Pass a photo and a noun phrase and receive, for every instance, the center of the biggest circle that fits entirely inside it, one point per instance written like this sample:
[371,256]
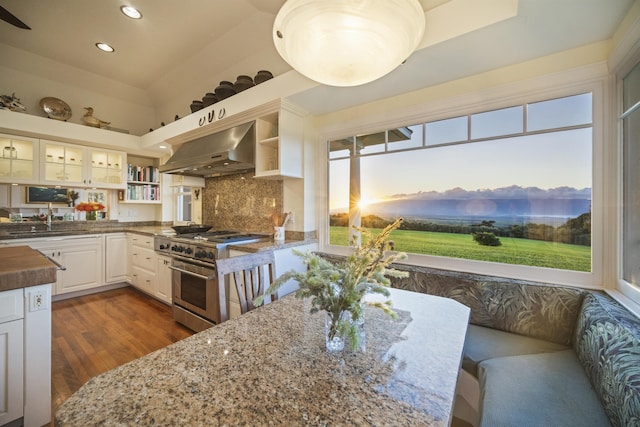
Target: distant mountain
[507,203]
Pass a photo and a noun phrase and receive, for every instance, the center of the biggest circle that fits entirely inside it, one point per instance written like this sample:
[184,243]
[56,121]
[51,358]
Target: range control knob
[210,255]
[200,254]
[188,251]
[174,248]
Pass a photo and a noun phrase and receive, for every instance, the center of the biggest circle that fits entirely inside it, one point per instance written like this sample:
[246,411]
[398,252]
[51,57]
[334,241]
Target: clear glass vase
[91,215]
[334,341]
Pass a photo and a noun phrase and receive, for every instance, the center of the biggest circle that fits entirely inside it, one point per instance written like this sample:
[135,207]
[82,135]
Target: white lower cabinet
[149,271]
[142,262]
[142,279]
[83,262]
[163,290]
[115,267]
[11,355]
[82,259]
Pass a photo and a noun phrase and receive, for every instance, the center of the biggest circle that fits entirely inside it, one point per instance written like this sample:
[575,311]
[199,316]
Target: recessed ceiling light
[104,47]
[163,146]
[131,12]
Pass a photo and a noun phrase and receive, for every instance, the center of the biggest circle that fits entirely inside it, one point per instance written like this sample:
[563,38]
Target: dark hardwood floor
[95,333]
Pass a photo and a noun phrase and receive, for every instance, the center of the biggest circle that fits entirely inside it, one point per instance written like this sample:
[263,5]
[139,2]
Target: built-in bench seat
[542,355]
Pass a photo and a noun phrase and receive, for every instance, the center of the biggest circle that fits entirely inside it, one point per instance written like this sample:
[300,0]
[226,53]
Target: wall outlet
[37,301]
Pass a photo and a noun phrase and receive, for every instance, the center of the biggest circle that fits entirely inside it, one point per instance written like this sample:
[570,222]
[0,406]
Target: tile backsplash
[241,202]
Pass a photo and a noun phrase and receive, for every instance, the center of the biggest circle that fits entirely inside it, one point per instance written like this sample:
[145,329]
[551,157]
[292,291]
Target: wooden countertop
[270,366]
[21,267]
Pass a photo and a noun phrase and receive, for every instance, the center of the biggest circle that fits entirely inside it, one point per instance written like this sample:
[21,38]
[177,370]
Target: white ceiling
[212,40]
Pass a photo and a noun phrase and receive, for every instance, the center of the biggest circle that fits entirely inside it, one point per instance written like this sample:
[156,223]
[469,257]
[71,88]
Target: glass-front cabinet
[68,164]
[63,164]
[19,160]
[107,168]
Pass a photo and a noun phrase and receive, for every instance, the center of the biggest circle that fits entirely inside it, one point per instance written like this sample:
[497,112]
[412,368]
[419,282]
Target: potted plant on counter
[339,288]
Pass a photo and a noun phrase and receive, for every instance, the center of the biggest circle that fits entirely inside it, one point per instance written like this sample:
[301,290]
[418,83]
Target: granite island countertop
[269,367]
[21,267]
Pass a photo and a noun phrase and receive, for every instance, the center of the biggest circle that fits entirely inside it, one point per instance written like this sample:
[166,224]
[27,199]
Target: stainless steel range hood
[222,153]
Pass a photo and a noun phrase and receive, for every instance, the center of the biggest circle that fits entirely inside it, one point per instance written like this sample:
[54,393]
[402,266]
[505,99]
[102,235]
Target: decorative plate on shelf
[56,108]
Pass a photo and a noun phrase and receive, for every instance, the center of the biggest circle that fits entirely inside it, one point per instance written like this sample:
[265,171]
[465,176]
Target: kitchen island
[269,366]
[25,336]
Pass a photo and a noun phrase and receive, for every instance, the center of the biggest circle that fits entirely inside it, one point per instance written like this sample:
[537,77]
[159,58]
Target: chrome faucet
[49,215]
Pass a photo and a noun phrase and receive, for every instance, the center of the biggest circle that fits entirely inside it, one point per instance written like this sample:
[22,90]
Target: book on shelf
[144,192]
[143,173]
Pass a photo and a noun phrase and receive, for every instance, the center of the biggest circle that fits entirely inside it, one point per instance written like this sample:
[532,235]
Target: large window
[631,177]
[183,204]
[512,185]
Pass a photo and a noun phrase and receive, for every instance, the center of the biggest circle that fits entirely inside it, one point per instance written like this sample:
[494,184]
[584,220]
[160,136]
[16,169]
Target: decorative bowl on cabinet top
[55,108]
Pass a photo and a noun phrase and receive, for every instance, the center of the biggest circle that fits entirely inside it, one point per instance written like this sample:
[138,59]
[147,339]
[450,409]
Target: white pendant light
[347,42]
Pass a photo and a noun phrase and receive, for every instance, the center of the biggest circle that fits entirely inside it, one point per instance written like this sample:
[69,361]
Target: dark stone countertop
[102,227]
[21,267]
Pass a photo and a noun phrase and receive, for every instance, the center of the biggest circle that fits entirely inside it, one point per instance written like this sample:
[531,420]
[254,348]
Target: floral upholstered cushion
[540,311]
[607,342]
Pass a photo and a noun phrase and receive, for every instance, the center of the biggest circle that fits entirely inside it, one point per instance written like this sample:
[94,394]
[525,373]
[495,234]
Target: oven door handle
[191,273]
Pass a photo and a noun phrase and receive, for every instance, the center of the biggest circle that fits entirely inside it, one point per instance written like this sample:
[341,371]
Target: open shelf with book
[143,181]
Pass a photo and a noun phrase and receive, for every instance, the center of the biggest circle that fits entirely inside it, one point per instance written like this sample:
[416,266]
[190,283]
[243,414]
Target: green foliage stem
[340,287]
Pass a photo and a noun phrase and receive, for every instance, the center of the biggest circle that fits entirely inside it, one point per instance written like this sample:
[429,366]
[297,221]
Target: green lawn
[513,251]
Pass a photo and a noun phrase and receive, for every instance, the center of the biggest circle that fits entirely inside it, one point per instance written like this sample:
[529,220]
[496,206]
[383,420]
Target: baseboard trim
[74,294]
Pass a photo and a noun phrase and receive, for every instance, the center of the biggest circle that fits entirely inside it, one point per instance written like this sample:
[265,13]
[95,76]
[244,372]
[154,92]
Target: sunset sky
[544,161]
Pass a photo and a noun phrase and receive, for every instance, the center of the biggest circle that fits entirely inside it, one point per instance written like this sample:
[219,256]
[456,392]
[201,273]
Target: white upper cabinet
[108,168]
[19,159]
[62,164]
[279,145]
[69,164]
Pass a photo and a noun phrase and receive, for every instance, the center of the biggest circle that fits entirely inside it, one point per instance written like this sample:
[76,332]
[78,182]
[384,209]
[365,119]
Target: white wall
[32,77]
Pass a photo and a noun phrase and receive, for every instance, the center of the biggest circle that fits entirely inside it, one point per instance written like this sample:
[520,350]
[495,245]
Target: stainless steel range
[198,298]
